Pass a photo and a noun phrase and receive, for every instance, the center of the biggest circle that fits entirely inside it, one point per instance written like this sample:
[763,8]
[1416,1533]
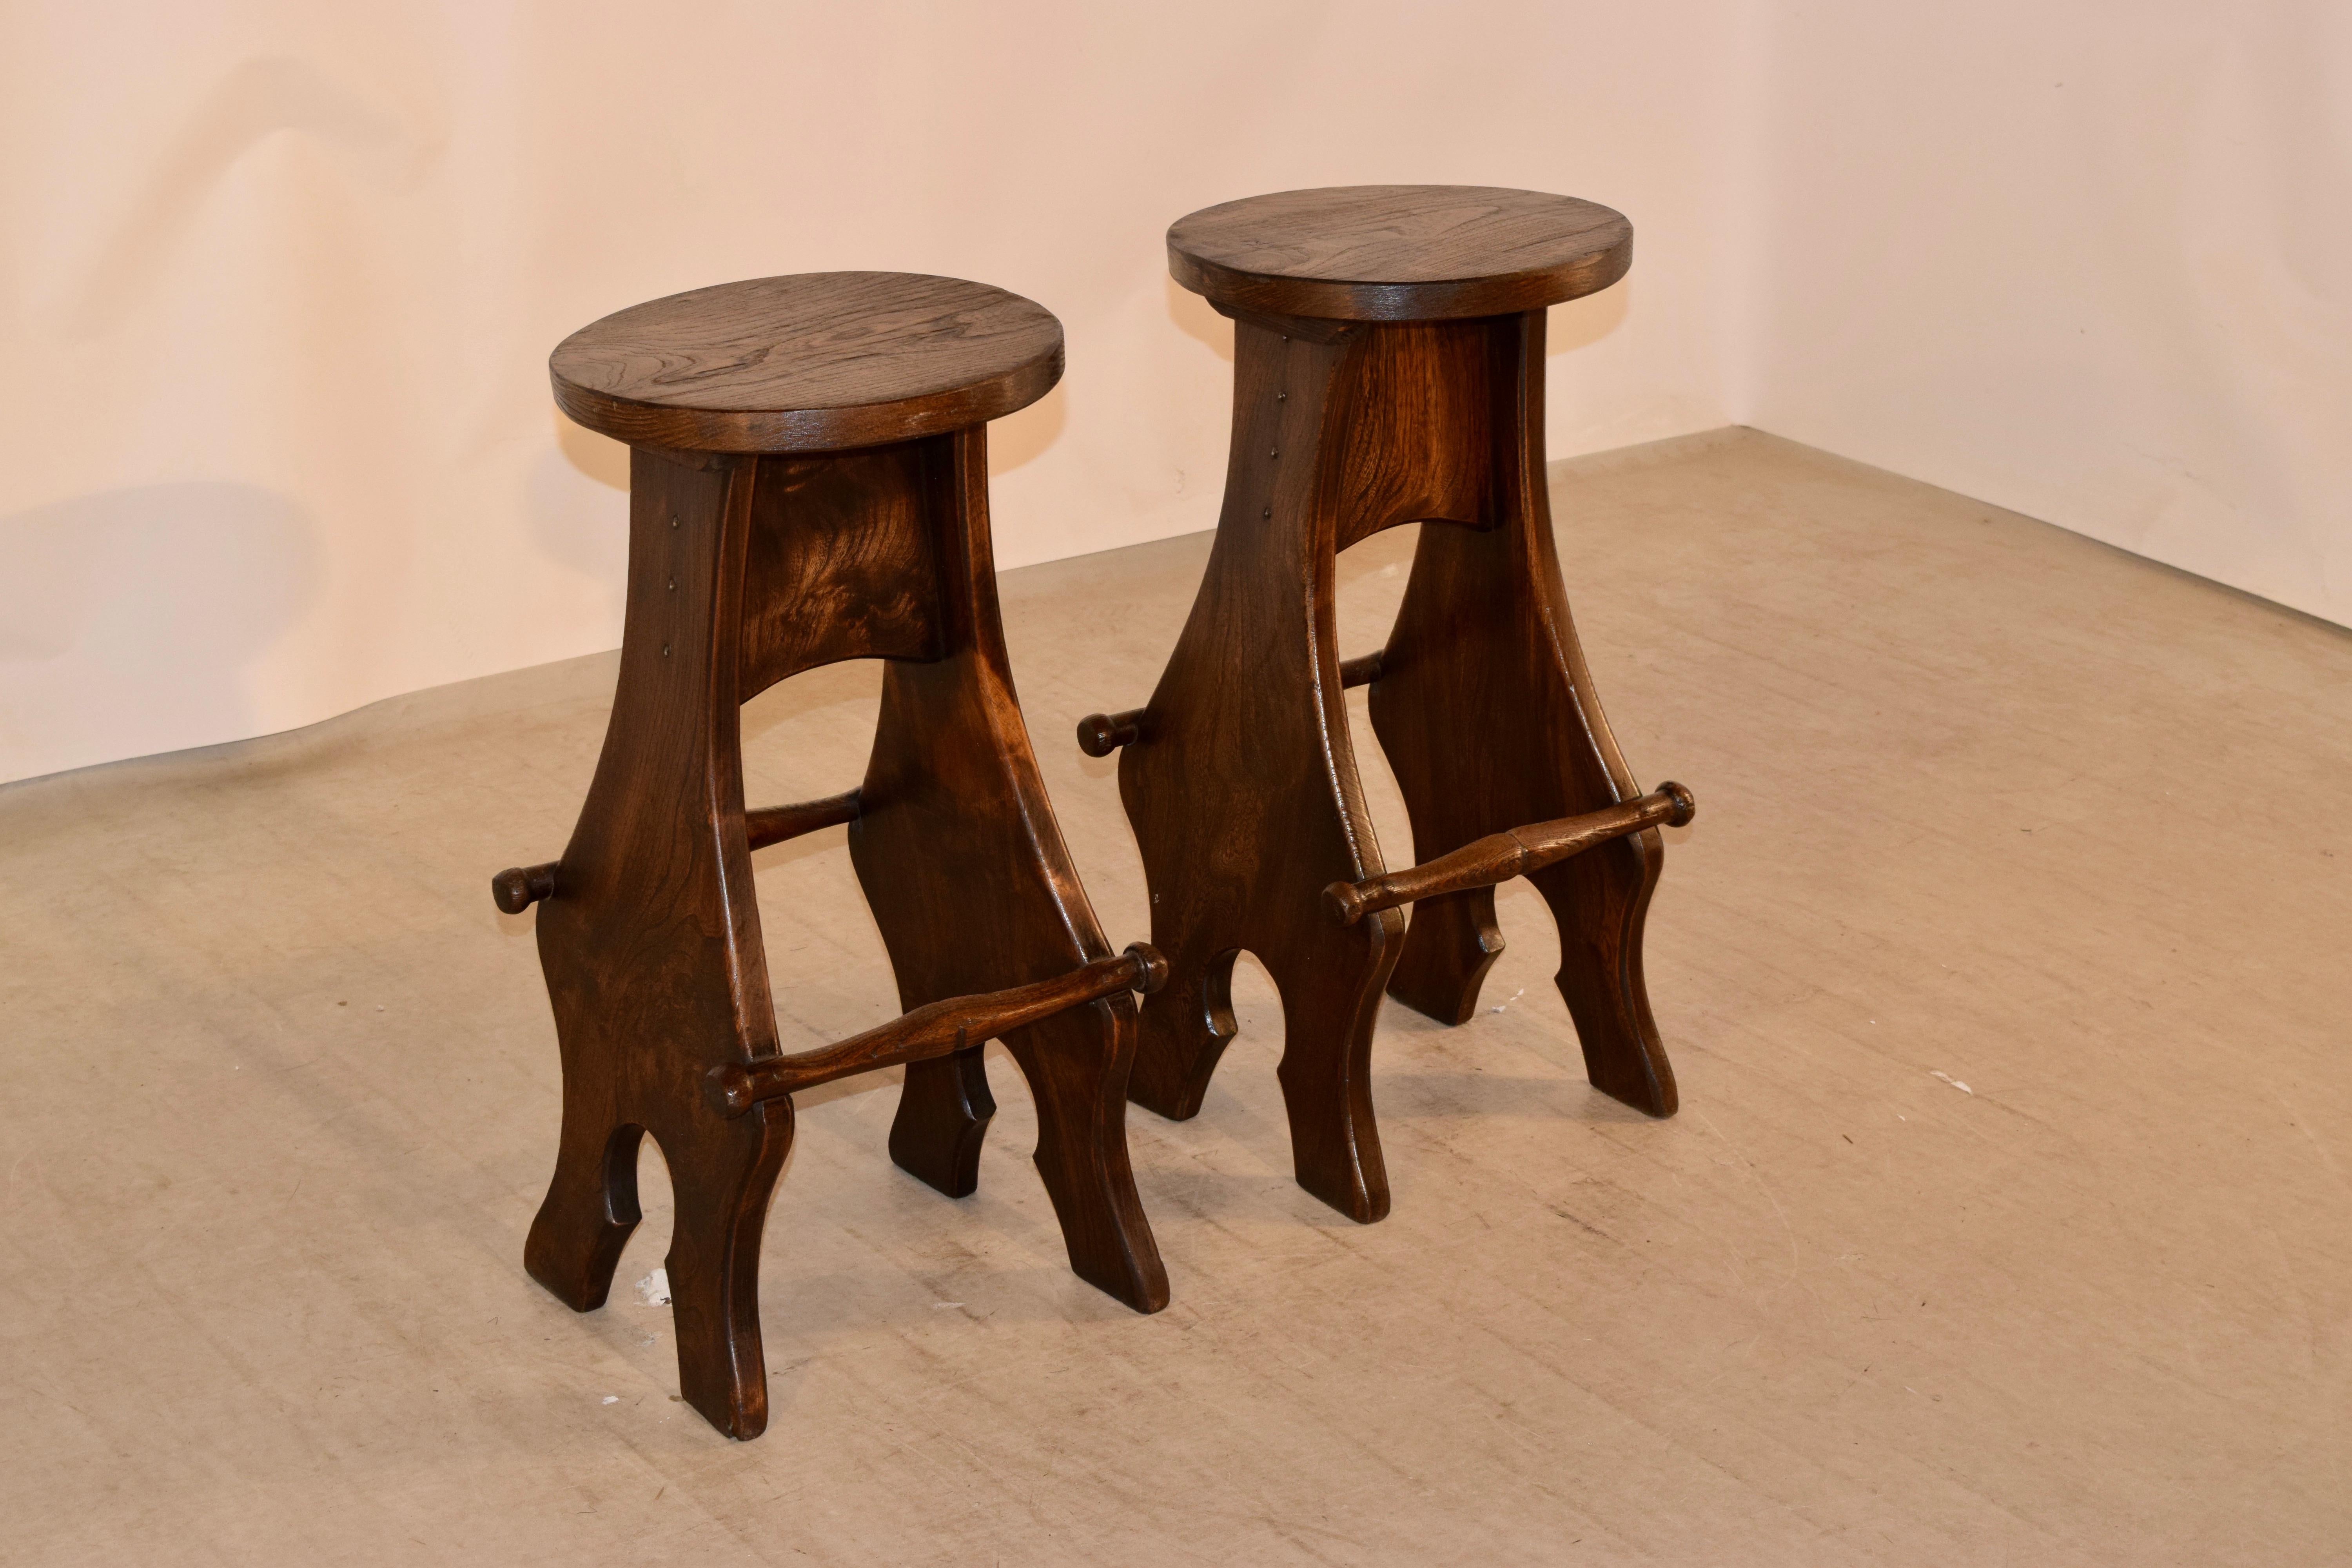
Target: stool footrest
[1500,857]
[935,1030]
[774,823]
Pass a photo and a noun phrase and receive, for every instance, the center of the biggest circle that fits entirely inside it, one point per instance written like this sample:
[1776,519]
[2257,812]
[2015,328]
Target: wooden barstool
[809,482]
[1388,368]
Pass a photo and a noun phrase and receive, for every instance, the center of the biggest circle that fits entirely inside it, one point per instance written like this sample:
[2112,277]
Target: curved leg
[650,943]
[963,865]
[590,1210]
[1242,784]
[944,1113]
[1181,1031]
[1599,900]
[1075,1063]
[1449,946]
[723,1178]
[1330,990]
[1488,717]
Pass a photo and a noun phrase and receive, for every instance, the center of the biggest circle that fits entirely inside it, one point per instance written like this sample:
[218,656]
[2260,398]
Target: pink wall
[2093,262]
[284,279]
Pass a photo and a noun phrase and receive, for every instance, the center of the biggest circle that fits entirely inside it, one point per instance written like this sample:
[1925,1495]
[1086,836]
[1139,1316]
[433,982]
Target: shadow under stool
[808,482]
[1388,368]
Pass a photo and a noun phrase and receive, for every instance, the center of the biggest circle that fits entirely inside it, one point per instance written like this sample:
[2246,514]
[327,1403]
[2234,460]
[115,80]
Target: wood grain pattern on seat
[815,362]
[1398,253]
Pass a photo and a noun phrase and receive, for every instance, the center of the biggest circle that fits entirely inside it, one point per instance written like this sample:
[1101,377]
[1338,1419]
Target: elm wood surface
[1239,777]
[1398,253]
[744,570]
[809,363]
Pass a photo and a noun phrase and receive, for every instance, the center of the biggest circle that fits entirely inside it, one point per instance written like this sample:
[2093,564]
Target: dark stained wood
[653,957]
[969,879]
[843,561]
[1244,807]
[1490,719]
[1239,777]
[814,362]
[1101,735]
[1398,253]
[961,1023]
[518,888]
[744,569]
[775,823]
[1500,857]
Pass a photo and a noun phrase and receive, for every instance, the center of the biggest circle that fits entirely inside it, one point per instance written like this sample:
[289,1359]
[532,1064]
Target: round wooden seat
[1398,253]
[815,362]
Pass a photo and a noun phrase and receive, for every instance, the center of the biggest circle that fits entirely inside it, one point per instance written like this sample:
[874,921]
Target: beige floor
[2007,1221]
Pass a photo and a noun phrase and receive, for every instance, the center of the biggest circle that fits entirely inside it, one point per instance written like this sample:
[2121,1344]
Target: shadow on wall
[1019,438]
[1199,319]
[252,103]
[1587,320]
[576,495]
[1572,326]
[129,620]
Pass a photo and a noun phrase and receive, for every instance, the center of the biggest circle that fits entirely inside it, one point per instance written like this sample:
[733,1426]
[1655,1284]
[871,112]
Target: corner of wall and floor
[310,273]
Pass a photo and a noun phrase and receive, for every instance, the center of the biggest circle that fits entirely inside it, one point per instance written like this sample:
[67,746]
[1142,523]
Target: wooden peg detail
[938,1030]
[518,888]
[1101,735]
[1500,857]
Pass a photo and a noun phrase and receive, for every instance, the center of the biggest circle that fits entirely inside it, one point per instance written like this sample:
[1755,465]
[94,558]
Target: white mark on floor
[654,1289]
[1515,996]
[1795,1267]
[611,1399]
[1955,1083]
[938,1306]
